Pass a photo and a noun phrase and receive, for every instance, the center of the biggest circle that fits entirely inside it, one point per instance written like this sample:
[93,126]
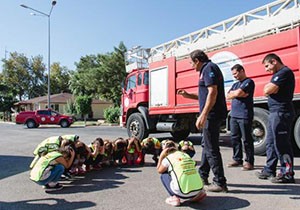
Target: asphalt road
[126,188]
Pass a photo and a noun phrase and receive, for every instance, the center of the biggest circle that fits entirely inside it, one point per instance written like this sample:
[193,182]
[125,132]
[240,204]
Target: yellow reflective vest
[187,176]
[70,137]
[48,145]
[44,162]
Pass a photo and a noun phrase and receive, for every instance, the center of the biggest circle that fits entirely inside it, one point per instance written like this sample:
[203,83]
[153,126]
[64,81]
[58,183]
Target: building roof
[60,98]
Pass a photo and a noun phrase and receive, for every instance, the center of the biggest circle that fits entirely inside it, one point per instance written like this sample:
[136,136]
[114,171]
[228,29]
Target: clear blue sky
[85,27]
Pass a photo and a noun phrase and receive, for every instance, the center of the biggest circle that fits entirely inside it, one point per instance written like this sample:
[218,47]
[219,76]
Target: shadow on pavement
[106,178]
[11,165]
[272,189]
[219,203]
[46,203]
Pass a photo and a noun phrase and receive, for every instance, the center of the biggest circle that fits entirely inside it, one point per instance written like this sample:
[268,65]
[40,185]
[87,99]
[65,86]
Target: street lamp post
[48,16]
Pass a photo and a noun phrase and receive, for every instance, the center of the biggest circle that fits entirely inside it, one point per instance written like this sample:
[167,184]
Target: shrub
[70,108]
[112,114]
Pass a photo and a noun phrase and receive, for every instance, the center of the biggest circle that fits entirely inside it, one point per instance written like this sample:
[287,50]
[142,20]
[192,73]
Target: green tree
[112,74]
[7,99]
[26,77]
[59,79]
[84,80]
[70,108]
[38,79]
[83,105]
[100,75]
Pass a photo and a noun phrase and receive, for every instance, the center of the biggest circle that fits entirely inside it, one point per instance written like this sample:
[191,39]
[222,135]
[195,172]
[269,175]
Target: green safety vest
[41,165]
[187,176]
[181,143]
[92,147]
[155,141]
[131,150]
[48,145]
[70,137]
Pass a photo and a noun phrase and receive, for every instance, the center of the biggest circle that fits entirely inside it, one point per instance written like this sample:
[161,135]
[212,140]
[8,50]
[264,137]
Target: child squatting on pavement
[179,176]
[48,169]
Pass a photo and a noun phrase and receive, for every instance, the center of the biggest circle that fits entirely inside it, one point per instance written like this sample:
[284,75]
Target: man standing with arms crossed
[280,92]
[213,111]
[241,94]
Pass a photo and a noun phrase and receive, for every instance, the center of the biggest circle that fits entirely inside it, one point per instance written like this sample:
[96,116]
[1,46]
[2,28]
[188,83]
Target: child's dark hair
[119,139]
[108,146]
[120,143]
[170,144]
[66,151]
[100,140]
[149,145]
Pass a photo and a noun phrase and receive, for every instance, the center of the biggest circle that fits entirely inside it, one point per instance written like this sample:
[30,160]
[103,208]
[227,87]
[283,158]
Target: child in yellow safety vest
[50,144]
[49,168]
[133,153]
[179,176]
[108,153]
[96,151]
[119,150]
[151,146]
[81,154]
[187,147]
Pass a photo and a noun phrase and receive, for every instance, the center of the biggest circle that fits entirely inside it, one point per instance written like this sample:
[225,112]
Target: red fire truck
[149,100]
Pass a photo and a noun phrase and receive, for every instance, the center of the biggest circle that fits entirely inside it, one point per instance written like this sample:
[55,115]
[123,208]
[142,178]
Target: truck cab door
[54,117]
[130,91]
[43,116]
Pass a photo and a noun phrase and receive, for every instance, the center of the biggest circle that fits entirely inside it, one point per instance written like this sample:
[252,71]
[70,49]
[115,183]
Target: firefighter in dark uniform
[213,111]
[241,94]
[280,94]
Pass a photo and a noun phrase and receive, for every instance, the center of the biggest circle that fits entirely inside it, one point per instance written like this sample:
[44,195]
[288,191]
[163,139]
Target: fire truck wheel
[259,130]
[136,126]
[30,124]
[180,135]
[297,132]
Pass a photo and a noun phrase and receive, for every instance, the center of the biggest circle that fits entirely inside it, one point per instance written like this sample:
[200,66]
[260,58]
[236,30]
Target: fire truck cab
[149,101]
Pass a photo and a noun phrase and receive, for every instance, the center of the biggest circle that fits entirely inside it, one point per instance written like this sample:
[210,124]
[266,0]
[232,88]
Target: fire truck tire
[136,126]
[31,124]
[297,132]
[180,135]
[259,130]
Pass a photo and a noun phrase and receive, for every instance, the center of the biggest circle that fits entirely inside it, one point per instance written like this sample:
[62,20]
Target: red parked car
[34,119]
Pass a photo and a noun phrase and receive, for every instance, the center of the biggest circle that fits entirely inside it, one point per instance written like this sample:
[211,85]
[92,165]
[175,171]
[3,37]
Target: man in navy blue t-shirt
[241,94]
[280,92]
[213,111]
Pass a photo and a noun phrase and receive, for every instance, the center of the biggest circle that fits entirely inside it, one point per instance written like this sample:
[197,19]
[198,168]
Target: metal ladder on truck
[269,19]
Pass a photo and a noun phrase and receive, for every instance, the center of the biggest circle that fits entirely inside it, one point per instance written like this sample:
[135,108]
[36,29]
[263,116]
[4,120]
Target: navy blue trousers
[211,156]
[166,180]
[279,145]
[241,134]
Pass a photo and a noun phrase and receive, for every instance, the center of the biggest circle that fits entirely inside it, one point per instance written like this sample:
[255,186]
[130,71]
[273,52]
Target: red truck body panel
[249,54]
[245,39]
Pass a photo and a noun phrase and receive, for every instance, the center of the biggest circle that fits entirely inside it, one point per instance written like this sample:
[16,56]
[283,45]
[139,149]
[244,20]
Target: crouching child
[49,168]
[179,176]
